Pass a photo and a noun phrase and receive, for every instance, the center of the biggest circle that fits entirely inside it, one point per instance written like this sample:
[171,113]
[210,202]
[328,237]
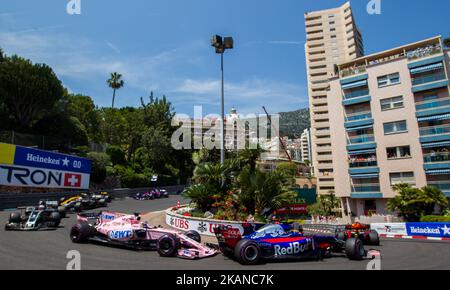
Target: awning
[354,85]
[426,68]
[359,128]
[438,172]
[436,144]
[361,176]
[435,118]
[361,152]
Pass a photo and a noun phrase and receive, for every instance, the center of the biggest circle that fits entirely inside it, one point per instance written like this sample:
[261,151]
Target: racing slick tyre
[168,245]
[247,252]
[80,233]
[354,249]
[373,238]
[15,218]
[62,211]
[194,235]
[55,220]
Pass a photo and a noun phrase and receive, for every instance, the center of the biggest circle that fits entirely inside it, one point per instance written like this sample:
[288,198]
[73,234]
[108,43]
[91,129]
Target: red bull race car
[359,231]
[285,242]
[128,231]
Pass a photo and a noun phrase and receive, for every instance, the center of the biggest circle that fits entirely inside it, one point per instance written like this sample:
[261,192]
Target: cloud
[249,96]
[113,47]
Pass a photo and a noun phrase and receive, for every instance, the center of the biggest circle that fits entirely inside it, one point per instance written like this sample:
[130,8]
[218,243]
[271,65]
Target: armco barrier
[322,228]
[13,200]
[201,225]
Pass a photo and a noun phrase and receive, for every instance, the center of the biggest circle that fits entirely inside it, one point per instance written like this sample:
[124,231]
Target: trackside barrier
[420,231]
[322,228]
[13,200]
[202,225]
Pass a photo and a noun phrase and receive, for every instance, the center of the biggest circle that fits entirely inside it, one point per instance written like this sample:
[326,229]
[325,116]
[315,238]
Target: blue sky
[163,46]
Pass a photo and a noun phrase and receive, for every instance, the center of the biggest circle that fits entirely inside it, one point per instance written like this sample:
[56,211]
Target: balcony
[361,139]
[363,164]
[366,188]
[423,52]
[437,157]
[442,185]
[359,116]
[429,82]
[424,106]
[430,78]
[356,94]
[435,130]
[353,71]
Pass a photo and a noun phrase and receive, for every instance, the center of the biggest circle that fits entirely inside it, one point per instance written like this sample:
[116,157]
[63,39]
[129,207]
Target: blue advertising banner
[436,230]
[49,160]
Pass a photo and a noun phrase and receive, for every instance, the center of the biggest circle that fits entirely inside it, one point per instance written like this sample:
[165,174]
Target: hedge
[435,219]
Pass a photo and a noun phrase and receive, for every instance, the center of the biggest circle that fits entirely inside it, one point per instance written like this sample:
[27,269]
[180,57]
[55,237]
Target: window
[395,127]
[332,22]
[332,29]
[403,177]
[388,80]
[398,152]
[333,36]
[331,16]
[392,103]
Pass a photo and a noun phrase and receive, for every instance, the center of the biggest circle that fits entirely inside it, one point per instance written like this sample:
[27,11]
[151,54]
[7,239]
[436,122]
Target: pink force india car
[128,231]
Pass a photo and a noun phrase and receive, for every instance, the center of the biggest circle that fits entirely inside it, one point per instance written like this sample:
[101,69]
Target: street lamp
[221,44]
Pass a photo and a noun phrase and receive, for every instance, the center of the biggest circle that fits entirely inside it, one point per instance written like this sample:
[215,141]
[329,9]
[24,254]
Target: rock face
[292,124]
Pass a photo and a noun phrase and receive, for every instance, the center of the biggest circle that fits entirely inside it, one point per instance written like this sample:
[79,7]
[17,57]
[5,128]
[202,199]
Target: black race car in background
[83,201]
[33,219]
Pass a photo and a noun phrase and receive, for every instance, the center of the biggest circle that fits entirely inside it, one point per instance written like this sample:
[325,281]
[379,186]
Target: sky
[164,46]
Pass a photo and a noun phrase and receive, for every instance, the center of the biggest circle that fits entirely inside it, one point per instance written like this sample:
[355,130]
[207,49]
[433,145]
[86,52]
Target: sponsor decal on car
[121,234]
[291,249]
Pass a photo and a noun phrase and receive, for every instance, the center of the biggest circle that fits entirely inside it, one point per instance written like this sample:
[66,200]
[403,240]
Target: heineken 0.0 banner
[27,167]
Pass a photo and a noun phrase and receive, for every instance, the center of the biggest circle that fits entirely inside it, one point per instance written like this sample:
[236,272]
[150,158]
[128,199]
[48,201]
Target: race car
[127,231]
[144,196]
[164,193]
[33,219]
[360,231]
[83,202]
[105,195]
[285,242]
[55,206]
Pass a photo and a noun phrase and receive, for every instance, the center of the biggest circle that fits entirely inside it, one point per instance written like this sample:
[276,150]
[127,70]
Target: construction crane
[281,140]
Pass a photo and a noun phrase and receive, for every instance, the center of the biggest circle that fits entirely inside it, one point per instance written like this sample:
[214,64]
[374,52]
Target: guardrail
[13,200]
[322,228]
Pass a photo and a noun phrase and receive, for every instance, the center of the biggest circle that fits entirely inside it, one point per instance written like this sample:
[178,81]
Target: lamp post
[221,44]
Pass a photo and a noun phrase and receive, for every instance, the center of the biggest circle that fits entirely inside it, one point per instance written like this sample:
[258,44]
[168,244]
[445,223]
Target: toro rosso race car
[33,219]
[129,232]
[359,231]
[284,242]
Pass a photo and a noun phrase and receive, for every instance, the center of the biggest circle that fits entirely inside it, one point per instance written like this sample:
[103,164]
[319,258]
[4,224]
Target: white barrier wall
[390,228]
[203,226]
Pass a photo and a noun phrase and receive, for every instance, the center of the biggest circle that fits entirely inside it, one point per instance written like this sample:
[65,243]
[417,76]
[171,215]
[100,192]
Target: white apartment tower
[332,37]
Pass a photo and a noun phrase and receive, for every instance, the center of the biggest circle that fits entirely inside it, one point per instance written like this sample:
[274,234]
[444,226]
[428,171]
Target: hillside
[293,123]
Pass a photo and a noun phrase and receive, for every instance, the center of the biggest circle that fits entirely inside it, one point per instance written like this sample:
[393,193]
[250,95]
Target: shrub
[117,155]
[435,219]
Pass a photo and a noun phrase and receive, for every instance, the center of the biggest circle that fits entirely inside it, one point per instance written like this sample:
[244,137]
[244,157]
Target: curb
[413,237]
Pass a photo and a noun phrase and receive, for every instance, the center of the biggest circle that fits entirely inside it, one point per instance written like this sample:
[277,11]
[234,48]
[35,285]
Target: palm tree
[447,42]
[2,56]
[115,82]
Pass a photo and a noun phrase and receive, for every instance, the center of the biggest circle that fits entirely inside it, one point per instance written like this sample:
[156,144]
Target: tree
[116,155]
[2,55]
[447,42]
[200,194]
[115,82]
[264,192]
[156,149]
[326,205]
[413,203]
[28,91]
[84,109]
[250,156]
[99,163]
[66,128]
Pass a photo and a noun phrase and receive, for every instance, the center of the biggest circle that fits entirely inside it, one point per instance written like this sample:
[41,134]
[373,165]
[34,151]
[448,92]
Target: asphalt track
[48,250]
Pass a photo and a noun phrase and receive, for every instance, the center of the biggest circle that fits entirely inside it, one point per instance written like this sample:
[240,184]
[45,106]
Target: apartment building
[389,115]
[332,37]
[305,146]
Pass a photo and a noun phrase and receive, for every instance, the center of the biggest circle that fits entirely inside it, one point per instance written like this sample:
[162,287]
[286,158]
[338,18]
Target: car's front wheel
[167,246]
[247,252]
[194,236]
[80,233]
